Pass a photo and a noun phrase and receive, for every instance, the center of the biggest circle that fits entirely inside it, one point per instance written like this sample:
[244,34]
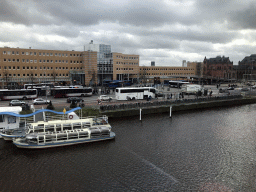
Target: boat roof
[16,110]
[39,111]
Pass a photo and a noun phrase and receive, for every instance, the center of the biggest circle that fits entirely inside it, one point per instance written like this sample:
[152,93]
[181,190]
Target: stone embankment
[154,106]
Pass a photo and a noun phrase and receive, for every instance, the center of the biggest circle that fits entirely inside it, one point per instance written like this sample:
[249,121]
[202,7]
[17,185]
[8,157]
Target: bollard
[170,111]
[140,114]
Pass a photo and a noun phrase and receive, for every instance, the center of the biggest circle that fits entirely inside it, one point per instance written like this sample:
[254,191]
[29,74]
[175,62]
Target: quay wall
[177,107]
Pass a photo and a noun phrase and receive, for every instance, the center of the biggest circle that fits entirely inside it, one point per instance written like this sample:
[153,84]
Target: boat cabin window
[76,126]
[86,124]
[66,127]
[1,118]
[58,127]
[11,120]
[49,128]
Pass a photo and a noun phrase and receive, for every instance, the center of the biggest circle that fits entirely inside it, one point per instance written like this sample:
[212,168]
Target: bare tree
[54,76]
[6,74]
[32,78]
[143,76]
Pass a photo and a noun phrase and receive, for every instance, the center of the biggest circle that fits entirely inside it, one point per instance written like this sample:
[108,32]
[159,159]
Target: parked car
[104,98]
[245,89]
[254,87]
[231,88]
[16,103]
[40,101]
[75,99]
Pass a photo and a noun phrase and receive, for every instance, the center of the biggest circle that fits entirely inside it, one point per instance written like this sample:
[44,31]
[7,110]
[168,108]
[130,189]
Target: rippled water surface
[210,150]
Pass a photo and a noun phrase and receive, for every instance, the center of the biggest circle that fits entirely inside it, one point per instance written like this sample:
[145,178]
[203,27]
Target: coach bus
[133,93]
[8,94]
[177,84]
[71,92]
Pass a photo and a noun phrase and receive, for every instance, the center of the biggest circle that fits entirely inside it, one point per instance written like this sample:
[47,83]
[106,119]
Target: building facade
[246,68]
[149,73]
[218,69]
[34,65]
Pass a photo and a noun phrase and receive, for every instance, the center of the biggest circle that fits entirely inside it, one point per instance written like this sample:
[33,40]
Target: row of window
[31,67]
[165,69]
[120,56]
[41,54]
[36,75]
[126,63]
[40,61]
[125,69]
[168,74]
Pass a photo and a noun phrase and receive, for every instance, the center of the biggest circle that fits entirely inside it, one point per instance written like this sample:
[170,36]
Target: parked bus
[177,84]
[116,83]
[133,93]
[7,94]
[38,85]
[71,92]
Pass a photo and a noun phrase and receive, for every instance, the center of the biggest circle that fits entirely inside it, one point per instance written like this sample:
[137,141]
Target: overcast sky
[164,31]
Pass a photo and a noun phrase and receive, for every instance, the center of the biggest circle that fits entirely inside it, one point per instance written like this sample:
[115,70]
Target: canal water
[204,150]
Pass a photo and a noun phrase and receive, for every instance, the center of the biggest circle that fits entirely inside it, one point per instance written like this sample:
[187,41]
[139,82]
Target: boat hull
[20,144]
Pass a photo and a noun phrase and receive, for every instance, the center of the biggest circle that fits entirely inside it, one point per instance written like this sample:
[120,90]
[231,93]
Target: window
[43,53]
[13,60]
[22,53]
[13,67]
[23,75]
[18,67]
[51,54]
[18,60]
[31,53]
[9,67]
[27,60]
[23,67]
[35,61]
[18,75]
[40,53]
[47,54]
[4,59]
[4,52]
[35,67]
[27,67]
[27,53]
[40,61]
[34,53]
[31,60]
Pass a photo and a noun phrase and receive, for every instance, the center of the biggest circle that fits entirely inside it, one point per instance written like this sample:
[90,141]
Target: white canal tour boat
[70,136]
[70,129]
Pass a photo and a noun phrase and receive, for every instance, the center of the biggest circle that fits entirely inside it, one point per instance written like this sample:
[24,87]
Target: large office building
[89,67]
[35,65]
[114,66]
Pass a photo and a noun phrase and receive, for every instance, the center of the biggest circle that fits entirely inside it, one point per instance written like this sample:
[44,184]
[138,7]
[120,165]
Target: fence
[137,105]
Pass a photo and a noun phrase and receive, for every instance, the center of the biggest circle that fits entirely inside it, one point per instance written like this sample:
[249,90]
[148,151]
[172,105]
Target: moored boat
[71,122]
[63,138]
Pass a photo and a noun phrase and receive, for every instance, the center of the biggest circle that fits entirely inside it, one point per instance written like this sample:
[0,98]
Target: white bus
[7,94]
[71,92]
[177,84]
[133,93]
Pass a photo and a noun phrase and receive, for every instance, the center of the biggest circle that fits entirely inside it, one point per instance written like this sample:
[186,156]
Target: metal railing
[154,103]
